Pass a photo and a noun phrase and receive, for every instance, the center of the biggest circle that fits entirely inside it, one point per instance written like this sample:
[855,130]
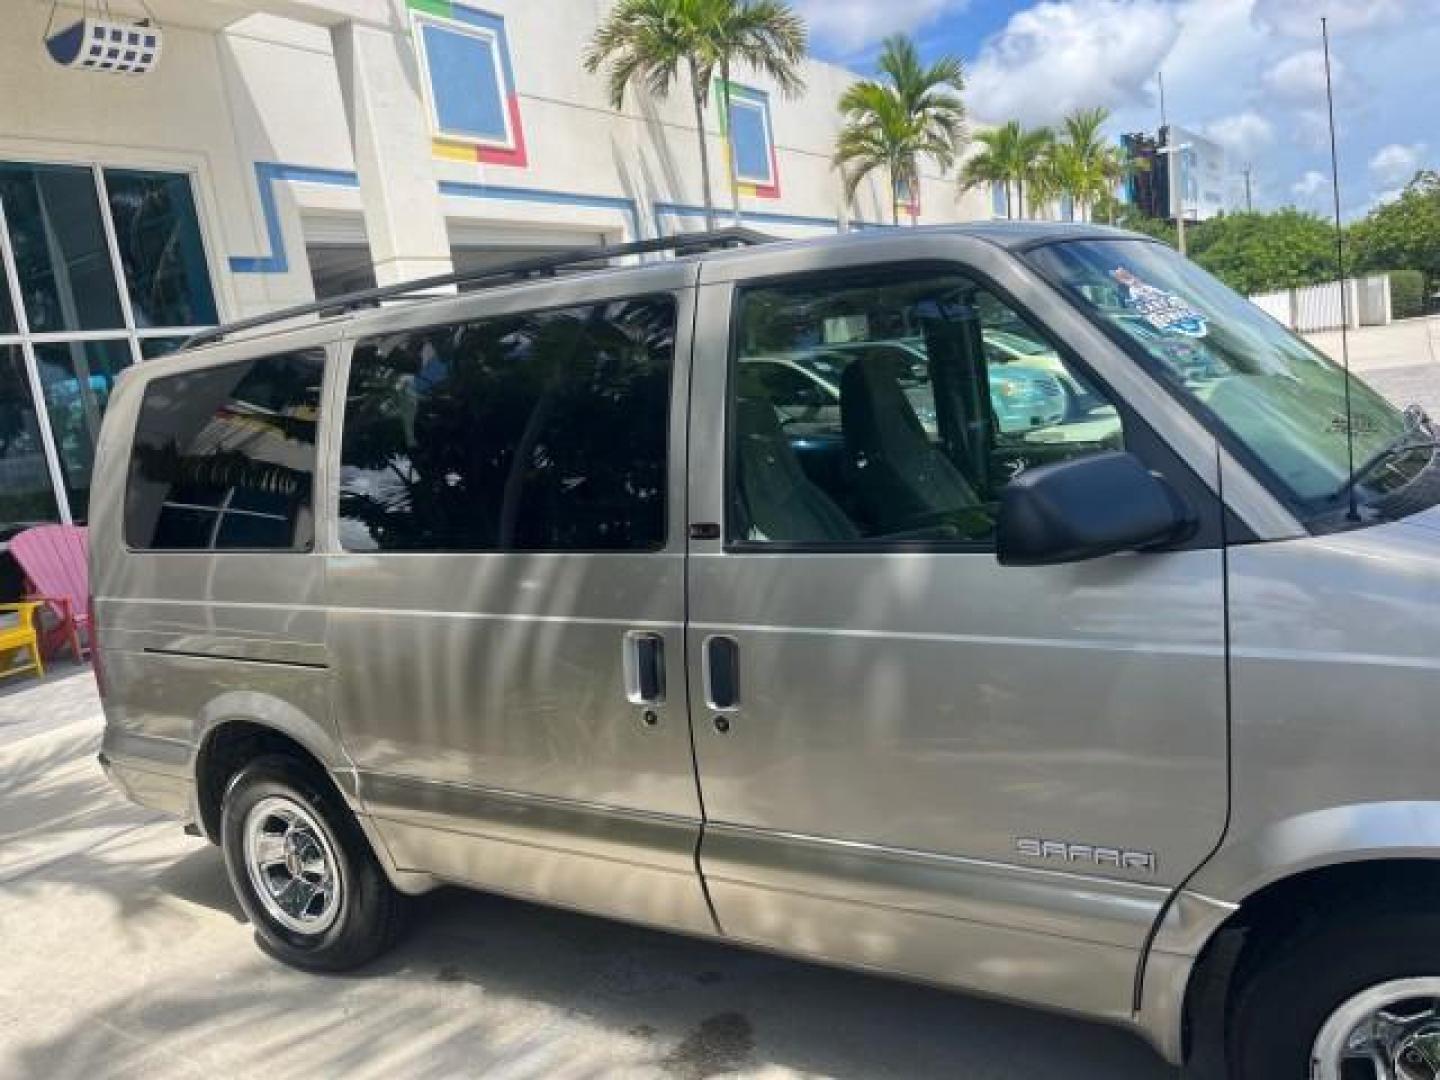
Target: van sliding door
[507,590]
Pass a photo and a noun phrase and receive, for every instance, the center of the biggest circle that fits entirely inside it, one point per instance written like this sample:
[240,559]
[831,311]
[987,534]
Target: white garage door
[340,255]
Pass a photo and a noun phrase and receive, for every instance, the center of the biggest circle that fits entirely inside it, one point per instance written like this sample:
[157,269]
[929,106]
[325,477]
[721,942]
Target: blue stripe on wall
[269,173]
[464,189]
[760,217]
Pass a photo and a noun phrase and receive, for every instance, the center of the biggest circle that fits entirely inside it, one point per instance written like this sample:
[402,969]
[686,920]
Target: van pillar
[390,135]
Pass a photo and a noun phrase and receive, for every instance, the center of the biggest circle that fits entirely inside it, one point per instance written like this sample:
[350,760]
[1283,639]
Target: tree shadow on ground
[481,985]
[488,985]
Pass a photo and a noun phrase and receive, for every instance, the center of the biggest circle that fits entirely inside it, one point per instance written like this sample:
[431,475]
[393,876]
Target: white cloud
[1061,55]
[1244,134]
[1300,77]
[1397,163]
[1383,197]
[851,25]
[1301,18]
[1247,73]
[1310,186]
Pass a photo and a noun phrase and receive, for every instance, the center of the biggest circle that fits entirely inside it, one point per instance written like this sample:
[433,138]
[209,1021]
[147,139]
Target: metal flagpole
[1354,510]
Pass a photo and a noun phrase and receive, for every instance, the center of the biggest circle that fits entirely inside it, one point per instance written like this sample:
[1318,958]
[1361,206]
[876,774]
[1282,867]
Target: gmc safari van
[1128,706]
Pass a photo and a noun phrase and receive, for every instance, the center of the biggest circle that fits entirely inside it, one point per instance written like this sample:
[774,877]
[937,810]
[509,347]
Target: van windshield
[1279,397]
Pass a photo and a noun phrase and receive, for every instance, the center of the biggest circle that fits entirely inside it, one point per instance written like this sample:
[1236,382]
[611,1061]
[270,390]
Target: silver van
[1125,708]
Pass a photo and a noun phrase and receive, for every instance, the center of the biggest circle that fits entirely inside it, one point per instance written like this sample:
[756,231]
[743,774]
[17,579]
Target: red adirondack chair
[55,560]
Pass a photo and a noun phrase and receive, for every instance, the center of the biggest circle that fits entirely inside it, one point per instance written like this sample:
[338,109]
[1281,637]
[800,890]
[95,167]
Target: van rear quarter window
[224,457]
[540,431]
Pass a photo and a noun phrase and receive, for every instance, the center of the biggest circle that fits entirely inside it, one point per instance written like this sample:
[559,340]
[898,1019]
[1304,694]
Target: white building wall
[178,118]
[258,104]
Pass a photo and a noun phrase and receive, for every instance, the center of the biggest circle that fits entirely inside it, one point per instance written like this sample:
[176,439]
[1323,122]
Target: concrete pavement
[123,954]
[1401,360]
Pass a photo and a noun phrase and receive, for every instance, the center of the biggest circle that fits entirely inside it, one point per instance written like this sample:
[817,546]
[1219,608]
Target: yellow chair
[24,637]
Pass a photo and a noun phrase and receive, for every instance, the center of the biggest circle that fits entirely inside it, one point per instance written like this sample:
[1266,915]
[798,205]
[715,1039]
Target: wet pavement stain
[719,1045]
[452,973]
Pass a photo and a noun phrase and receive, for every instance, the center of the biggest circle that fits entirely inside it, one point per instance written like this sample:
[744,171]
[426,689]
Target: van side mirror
[1085,508]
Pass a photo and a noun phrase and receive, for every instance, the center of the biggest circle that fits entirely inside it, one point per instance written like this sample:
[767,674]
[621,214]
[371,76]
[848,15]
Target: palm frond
[913,112]
[766,35]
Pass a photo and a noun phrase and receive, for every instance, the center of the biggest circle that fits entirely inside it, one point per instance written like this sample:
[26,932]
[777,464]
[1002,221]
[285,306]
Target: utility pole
[1249,206]
[1176,163]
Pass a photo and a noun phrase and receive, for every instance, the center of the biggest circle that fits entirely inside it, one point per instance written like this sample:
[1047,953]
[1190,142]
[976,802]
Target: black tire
[370,913]
[1287,992]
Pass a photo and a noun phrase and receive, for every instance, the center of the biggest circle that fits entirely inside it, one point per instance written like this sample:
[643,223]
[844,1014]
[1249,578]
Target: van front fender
[1339,834]
[1242,867]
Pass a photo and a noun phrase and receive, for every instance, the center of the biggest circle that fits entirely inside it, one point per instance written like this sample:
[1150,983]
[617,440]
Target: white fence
[1324,307]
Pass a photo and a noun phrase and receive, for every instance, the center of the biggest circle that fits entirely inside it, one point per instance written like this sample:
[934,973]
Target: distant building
[1203,173]
[1147,187]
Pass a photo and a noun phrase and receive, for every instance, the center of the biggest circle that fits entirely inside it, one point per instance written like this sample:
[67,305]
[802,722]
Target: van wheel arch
[227,748]
[1273,916]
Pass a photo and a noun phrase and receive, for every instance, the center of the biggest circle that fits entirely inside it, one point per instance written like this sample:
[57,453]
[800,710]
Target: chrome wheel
[291,864]
[1388,1032]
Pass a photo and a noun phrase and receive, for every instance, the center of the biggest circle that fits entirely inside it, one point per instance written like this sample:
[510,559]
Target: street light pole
[1175,152]
[1174,167]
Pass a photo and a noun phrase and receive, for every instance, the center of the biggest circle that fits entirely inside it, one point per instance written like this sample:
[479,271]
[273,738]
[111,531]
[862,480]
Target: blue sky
[1247,73]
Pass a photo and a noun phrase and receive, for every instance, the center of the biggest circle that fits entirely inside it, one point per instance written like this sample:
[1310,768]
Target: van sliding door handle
[722,672]
[644,668]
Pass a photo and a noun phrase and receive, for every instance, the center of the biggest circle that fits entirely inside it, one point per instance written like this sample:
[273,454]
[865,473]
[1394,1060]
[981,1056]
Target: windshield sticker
[1165,311]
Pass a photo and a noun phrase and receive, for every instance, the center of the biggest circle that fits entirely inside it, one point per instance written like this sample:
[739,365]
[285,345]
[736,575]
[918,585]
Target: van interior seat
[902,476]
[781,502]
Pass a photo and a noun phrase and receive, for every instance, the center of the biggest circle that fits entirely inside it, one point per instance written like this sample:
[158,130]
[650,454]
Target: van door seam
[697,293]
[1148,947]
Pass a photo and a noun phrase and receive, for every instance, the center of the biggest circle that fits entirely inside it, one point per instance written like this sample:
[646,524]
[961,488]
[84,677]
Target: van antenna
[1353,513]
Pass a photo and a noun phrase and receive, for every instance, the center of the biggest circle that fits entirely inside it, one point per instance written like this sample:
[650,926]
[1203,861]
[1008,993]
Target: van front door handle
[722,672]
[645,668]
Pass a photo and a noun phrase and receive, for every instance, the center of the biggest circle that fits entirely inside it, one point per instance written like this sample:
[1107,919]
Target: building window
[27,494]
[1000,200]
[751,142]
[99,268]
[66,280]
[157,234]
[77,377]
[469,83]
[907,200]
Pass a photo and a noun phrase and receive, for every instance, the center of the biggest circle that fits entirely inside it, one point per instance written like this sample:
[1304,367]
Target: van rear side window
[542,431]
[224,458]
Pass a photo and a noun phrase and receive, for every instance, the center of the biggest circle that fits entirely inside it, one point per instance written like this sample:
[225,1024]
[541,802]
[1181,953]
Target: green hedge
[1407,294]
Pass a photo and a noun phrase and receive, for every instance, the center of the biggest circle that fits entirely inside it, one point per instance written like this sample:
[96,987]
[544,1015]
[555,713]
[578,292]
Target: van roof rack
[489,278]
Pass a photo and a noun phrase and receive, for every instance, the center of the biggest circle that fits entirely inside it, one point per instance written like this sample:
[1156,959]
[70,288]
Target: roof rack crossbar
[491,277]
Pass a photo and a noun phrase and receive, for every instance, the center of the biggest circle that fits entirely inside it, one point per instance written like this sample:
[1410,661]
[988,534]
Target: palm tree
[1088,168]
[1068,175]
[1018,158]
[765,35]
[914,112]
[648,42]
[996,162]
[1032,167]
